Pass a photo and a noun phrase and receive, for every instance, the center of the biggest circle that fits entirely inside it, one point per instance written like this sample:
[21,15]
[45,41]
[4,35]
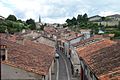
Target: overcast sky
[57,11]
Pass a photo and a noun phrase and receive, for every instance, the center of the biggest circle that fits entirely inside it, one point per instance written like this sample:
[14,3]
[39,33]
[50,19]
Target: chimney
[23,41]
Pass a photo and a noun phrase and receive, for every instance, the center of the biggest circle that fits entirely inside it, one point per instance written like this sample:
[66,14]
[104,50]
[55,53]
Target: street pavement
[62,68]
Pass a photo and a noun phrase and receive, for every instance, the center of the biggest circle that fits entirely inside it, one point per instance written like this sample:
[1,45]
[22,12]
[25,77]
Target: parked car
[56,55]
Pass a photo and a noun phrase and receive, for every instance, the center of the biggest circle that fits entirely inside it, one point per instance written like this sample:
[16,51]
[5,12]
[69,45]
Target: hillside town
[55,52]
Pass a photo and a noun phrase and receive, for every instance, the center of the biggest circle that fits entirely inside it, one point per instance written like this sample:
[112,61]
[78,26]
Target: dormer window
[3,51]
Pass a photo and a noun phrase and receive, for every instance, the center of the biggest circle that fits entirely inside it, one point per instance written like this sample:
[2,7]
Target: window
[3,57]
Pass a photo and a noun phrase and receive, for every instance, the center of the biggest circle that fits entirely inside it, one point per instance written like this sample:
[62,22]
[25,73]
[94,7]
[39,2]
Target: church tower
[39,19]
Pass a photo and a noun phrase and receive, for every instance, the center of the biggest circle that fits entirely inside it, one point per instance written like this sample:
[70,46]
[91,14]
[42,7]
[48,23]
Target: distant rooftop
[94,16]
[115,15]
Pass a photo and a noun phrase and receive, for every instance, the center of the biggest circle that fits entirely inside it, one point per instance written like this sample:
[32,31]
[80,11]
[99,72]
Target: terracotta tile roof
[74,37]
[106,60]
[91,39]
[11,37]
[40,46]
[88,49]
[114,75]
[70,36]
[103,56]
[30,56]
[50,30]
[2,35]
[108,35]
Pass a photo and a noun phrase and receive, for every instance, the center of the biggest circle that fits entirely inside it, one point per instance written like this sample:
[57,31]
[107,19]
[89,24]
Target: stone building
[113,20]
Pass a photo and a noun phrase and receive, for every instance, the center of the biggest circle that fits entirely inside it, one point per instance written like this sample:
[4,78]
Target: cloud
[57,10]
[56,20]
[106,13]
[5,11]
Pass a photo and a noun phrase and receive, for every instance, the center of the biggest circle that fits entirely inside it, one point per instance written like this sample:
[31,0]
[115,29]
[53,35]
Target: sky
[57,11]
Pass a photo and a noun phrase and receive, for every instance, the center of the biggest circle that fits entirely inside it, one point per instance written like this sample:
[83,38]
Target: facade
[65,41]
[38,25]
[74,55]
[108,23]
[30,60]
[114,17]
[113,20]
[45,40]
[86,32]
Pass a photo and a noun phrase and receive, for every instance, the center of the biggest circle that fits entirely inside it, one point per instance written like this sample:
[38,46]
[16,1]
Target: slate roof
[31,56]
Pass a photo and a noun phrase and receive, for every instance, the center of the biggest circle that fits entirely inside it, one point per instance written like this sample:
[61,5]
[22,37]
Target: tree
[14,26]
[119,25]
[31,22]
[69,22]
[2,28]
[19,20]
[85,18]
[117,33]
[64,25]
[42,27]
[103,18]
[79,18]
[11,17]
[74,21]
[81,23]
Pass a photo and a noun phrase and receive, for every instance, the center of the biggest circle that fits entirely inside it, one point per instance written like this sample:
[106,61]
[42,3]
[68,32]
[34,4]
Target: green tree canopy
[11,17]
[74,21]
[85,18]
[69,22]
[2,28]
[19,20]
[119,25]
[79,18]
[31,22]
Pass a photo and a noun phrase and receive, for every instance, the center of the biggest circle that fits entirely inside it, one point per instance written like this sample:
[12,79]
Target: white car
[56,55]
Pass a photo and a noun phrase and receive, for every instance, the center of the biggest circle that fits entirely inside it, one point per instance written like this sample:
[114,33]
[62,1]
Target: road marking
[66,67]
[57,76]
